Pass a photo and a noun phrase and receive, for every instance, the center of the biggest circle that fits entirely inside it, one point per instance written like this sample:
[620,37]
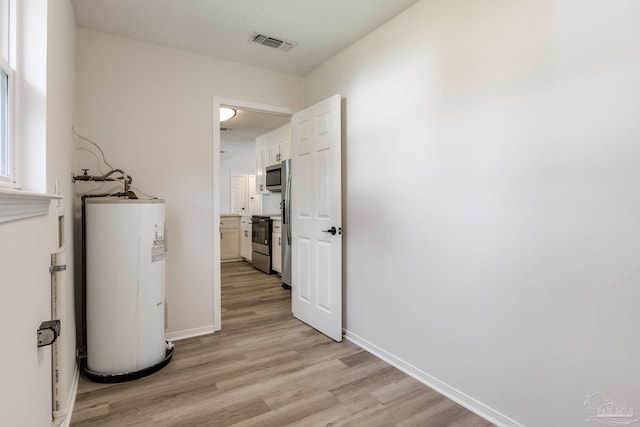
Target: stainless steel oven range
[261,243]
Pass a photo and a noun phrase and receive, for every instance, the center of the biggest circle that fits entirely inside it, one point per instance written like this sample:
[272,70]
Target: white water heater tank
[125,284]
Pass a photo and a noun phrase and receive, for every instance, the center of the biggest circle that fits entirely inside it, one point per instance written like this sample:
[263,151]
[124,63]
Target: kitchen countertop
[231,215]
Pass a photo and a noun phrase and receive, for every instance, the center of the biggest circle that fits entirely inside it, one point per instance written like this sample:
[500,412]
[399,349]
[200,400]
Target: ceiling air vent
[272,42]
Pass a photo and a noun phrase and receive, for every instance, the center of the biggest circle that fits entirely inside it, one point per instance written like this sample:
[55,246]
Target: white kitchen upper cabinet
[274,154]
[277,144]
[285,149]
[280,151]
[262,161]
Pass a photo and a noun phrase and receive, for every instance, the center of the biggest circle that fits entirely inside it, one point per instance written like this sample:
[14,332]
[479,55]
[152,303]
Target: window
[15,203]
[5,25]
[4,126]
[6,77]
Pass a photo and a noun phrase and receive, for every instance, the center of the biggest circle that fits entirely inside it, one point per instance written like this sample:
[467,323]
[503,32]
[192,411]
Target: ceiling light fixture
[227,113]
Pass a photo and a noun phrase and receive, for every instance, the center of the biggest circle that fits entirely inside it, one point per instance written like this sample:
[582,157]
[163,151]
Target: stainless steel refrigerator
[285,206]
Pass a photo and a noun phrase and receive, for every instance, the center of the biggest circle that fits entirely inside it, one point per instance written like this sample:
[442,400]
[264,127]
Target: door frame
[241,105]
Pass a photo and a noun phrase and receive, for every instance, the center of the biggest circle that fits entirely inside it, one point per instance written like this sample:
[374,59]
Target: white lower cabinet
[229,238]
[276,245]
[245,238]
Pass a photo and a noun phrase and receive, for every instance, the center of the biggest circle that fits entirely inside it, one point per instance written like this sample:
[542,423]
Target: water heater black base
[127,376]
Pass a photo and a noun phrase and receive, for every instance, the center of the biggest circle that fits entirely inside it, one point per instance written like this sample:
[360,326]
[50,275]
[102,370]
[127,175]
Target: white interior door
[255,201]
[316,203]
[239,194]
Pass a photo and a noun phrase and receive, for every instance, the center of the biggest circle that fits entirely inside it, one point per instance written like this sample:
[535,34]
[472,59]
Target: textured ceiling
[222,28]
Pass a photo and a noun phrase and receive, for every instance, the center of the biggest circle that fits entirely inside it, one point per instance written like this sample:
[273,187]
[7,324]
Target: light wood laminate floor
[267,369]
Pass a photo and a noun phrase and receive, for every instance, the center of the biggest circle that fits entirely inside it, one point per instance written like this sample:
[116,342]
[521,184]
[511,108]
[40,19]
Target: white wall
[150,108]
[491,202]
[25,389]
[61,99]
[46,107]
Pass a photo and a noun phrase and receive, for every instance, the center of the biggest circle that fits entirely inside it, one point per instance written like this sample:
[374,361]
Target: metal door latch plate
[48,332]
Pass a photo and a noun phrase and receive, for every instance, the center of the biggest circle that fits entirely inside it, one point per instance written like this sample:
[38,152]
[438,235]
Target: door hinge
[57,268]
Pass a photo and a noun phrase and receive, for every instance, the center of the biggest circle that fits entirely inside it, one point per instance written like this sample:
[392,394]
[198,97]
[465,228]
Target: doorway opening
[234,153]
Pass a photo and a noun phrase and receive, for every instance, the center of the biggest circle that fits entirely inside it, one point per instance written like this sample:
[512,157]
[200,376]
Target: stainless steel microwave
[273,178]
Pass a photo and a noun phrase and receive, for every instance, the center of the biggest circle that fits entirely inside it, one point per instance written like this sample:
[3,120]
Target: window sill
[17,204]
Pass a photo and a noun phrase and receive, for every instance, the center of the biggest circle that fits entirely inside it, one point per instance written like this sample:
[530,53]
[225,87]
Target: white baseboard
[457,396]
[65,419]
[189,333]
